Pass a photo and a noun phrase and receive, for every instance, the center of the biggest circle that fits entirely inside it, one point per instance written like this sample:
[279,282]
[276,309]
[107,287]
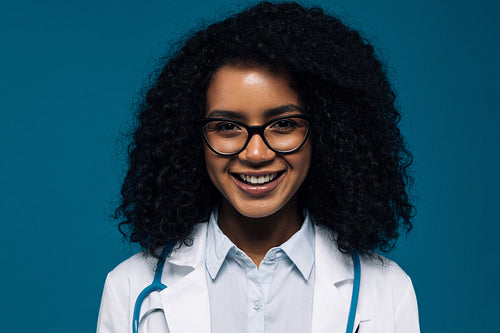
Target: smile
[258,185]
[258,180]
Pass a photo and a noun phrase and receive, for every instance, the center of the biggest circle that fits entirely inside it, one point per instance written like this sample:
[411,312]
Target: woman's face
[254,95]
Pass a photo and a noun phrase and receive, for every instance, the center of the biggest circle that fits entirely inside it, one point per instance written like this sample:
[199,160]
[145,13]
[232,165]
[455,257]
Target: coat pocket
[364,327]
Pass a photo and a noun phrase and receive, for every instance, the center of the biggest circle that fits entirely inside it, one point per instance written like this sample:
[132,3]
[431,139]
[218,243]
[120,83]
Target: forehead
[249,91]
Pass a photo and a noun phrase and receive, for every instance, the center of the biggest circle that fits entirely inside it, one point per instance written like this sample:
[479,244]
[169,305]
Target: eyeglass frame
[252,130]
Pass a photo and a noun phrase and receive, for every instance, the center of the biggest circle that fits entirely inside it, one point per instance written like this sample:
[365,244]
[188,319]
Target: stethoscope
[157,285]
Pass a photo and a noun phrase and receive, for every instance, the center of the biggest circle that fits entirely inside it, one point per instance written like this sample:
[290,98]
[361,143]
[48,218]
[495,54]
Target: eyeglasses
[282,135]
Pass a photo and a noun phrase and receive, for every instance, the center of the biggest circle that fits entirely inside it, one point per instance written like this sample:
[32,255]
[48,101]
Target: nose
[256,151]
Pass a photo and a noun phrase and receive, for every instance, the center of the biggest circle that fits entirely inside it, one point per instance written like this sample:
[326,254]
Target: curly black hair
[359,177]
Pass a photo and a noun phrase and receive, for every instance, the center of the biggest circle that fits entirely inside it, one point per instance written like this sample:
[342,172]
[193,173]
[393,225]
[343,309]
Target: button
[257,305]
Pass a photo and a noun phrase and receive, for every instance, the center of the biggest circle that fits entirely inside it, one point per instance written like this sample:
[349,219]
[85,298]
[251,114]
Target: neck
[255,236]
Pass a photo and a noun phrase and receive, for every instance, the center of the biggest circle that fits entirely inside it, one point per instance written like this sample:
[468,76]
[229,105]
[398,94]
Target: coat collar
[191,256]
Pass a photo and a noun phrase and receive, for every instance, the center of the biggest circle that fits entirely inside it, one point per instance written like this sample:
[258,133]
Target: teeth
[258,180]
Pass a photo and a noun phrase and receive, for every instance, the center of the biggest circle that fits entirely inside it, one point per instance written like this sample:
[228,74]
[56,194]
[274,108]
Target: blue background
[70,73]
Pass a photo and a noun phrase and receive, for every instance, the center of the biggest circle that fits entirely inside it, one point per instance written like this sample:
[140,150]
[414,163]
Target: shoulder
[135,273]
[382,280]
[384,276]
[123,285]
[375,268]
[140,266]
[380,269]
[126,281]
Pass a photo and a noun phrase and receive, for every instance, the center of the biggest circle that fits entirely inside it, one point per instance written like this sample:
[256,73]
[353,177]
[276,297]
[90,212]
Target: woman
[267,153]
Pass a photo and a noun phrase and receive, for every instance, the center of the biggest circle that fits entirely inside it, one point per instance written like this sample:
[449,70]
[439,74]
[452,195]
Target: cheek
[303,161]
[215,167]
[210,164]
[306,163]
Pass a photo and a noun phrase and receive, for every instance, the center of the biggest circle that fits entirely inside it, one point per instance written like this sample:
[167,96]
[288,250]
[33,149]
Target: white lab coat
[387,301]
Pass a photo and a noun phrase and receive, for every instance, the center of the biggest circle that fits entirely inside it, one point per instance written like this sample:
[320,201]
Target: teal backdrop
[70,72]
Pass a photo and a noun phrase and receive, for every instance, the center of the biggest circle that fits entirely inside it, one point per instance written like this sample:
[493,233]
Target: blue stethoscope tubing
[157,285]
[355,291]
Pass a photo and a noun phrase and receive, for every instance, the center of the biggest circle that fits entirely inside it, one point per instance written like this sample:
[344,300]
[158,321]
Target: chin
[255,211]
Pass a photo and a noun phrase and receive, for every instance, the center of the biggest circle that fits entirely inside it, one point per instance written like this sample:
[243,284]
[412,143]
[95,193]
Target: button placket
[256,306]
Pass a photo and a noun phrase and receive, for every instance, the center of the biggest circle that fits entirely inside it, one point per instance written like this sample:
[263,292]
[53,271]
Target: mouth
[258,185]
[258,180]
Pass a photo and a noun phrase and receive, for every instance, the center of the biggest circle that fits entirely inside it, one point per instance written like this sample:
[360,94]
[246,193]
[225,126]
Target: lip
[255,173]
[257,190]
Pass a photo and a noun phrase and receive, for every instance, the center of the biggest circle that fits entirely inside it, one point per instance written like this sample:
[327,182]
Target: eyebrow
[269,113]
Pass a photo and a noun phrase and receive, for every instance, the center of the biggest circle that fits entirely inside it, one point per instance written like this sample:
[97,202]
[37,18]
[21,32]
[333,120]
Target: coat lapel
[334,271]
[185,300]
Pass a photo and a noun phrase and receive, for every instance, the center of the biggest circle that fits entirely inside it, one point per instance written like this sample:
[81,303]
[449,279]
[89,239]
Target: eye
[223,129]
[284,123]
[284,126]
[226,126]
